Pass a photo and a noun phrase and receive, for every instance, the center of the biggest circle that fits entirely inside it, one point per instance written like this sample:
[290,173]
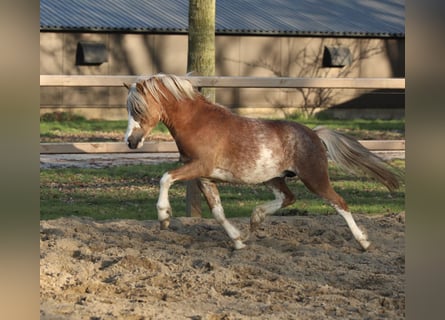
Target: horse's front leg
[163,205]
[211,194]
[187,172]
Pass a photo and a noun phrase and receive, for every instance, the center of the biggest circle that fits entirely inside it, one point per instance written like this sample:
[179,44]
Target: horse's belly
[263,167]
[250,178]
[224,175]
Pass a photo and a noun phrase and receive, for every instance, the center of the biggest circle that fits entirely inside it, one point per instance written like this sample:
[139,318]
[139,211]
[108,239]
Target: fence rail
[230,82]
[170,147]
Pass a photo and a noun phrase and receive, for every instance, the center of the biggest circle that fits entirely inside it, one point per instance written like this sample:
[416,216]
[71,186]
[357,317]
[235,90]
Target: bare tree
[201,41]
[201,61]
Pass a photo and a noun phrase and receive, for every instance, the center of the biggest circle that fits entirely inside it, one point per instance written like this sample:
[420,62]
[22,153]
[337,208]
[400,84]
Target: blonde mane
[179,88]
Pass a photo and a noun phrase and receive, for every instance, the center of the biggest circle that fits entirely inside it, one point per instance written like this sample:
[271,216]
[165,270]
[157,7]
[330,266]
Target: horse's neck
[179,115]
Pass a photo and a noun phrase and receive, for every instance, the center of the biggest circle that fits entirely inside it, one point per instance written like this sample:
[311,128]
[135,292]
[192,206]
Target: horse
[217,145]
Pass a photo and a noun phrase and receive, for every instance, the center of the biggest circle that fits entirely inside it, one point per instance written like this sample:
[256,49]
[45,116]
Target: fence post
[193,199]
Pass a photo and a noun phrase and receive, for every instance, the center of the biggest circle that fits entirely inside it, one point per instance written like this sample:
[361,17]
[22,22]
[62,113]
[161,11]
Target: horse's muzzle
[135,139]
[134,142]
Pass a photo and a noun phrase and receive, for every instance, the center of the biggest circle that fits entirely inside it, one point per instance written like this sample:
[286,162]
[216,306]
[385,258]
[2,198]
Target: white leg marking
[260,212]
[232,231]
[358,234]
[218,213]
[163,205]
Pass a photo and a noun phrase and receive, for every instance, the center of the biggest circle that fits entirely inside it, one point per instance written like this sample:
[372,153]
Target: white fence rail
[230,82]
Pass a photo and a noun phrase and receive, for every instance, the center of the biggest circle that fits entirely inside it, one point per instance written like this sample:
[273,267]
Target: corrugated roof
[380,18]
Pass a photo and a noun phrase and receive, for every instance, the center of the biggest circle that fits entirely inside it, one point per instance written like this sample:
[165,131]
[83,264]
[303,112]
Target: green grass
[74,123]
[130,192]
[67,127]
[360,128]
[58,127]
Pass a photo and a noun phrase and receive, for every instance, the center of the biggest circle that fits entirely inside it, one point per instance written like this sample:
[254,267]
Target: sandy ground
[302,267]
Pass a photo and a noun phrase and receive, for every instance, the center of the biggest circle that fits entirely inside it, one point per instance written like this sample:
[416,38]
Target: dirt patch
[303,267]
[104,160]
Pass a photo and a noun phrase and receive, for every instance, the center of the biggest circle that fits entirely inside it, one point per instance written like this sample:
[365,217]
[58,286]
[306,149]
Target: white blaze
[132,124]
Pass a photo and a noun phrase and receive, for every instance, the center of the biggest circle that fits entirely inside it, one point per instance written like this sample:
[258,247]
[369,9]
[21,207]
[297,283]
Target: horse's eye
[140,120]
[137,118]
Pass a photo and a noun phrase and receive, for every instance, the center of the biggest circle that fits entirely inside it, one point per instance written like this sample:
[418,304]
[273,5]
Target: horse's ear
[126,85]
[140,87]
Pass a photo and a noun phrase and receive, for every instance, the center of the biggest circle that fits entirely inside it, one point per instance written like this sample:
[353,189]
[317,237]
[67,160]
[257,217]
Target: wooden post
[193,199]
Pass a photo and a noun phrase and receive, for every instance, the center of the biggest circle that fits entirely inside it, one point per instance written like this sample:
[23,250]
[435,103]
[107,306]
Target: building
[267,38]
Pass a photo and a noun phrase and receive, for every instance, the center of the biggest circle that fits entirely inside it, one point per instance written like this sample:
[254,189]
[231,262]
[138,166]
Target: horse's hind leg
[358,234]
[283,198]
[319,184]
[211,195]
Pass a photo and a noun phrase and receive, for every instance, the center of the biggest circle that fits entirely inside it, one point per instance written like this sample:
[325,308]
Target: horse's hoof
[257,232]
[260,234]
[239,244]
[164,224]
[365,244]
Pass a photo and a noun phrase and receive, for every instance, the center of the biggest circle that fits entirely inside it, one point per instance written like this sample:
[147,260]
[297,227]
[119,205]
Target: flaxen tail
[354,157]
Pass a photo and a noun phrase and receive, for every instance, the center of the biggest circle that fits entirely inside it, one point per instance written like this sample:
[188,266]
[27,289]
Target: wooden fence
[170,147]
[193,203]
[231,82]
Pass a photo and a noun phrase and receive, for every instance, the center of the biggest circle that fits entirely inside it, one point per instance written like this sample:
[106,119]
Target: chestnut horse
[217,145]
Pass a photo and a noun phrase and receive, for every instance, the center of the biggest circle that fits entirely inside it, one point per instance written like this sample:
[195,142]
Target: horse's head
[148,101]
[144,113]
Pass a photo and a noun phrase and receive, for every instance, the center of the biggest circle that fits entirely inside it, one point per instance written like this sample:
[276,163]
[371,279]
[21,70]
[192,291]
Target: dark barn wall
[263,56]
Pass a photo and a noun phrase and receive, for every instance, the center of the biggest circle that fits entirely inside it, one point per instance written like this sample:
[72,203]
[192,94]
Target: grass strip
[131,192]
